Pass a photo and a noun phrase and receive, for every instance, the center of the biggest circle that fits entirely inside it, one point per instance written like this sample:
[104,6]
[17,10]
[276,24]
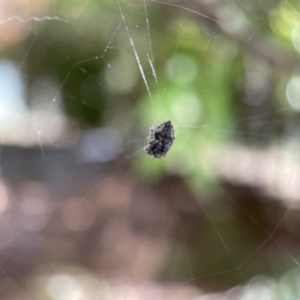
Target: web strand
[185,8]
[135,52]
[148,30]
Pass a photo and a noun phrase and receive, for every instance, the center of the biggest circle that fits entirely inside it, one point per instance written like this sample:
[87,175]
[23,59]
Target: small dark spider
[160,140]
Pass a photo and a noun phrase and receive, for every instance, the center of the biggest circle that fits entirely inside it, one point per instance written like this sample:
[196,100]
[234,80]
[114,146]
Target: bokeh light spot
[182,68]
[293,92]
[35,199]
[186,109]
[296,37]
[3,198]
[63,286]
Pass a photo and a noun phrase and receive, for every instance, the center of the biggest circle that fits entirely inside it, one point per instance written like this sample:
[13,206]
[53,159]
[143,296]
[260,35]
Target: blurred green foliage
[203,58]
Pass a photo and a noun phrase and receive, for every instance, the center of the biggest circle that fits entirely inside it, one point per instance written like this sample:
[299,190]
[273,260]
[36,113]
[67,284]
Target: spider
[160,140]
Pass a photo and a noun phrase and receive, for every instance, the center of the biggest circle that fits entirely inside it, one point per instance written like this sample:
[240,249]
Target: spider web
[80,203]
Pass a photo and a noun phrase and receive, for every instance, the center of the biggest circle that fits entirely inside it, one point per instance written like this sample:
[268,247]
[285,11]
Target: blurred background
[85,213]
